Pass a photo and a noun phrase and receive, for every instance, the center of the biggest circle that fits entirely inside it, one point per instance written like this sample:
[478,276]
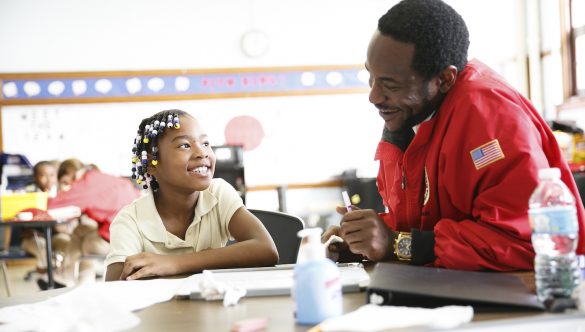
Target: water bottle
[553,218]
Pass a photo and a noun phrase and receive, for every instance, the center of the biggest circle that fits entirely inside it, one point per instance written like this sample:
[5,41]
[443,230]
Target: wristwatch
[402,246]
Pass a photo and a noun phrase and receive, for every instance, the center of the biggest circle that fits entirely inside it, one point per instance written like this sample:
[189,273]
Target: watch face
[403,247]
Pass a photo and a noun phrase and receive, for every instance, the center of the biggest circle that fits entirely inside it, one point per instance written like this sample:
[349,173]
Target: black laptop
[429,287]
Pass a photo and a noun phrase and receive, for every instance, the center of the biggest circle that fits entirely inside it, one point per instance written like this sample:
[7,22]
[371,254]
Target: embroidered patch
[486,154]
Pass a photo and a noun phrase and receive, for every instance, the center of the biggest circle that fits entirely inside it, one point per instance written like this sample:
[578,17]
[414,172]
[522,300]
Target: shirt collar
[150,223]
[415,128]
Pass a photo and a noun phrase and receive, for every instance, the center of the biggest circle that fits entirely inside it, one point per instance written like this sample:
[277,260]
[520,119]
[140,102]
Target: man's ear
[447,78]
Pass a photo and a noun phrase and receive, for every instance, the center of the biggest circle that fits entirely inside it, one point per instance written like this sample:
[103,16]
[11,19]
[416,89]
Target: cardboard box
[14,203]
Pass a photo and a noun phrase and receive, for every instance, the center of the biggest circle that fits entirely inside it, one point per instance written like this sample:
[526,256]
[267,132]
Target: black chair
[580,182]
[283,228]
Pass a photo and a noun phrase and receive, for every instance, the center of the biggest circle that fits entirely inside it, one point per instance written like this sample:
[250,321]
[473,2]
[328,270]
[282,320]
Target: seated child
[99,196]
[44,180]
[183,223]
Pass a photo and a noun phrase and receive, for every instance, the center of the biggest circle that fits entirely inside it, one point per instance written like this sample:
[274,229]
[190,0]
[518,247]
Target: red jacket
[98,195]
[479,215]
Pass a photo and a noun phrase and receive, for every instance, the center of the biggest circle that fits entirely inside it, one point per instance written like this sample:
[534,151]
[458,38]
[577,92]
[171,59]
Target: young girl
[183,223]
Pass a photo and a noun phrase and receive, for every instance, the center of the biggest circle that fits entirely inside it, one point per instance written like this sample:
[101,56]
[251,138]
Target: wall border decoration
[191,84]
[132,86]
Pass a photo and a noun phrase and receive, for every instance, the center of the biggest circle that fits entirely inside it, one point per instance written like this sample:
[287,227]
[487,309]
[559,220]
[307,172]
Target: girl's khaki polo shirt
[139,228]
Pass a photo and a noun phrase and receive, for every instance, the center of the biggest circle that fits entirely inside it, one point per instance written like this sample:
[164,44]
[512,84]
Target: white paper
[264,279]
[105,306]
[371,317]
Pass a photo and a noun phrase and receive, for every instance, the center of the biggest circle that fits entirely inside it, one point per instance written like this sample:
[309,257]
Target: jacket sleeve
[496,235]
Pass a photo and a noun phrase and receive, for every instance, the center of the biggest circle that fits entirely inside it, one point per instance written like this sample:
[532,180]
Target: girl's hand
[145,265]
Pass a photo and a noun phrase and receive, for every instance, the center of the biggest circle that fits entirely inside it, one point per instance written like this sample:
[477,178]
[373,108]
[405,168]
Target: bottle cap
[313,249]
[549,173]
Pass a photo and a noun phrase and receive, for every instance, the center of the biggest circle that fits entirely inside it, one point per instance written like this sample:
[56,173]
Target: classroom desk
[198,315]
[191,315]
[46,226]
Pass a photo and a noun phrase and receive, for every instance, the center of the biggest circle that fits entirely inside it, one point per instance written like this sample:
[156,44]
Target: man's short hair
[438,32]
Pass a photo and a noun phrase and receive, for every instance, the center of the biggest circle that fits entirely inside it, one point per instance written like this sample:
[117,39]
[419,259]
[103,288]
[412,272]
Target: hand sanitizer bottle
[317,282]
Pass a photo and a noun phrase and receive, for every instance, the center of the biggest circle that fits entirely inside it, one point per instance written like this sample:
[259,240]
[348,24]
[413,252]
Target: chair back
[283,228]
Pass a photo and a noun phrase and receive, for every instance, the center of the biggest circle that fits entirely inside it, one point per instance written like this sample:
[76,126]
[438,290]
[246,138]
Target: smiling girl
[183,223]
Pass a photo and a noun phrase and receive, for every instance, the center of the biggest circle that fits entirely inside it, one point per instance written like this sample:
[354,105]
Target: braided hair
[146,144]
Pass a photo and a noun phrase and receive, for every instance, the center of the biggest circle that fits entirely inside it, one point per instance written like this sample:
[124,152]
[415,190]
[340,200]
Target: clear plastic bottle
[317,282]
[553,218]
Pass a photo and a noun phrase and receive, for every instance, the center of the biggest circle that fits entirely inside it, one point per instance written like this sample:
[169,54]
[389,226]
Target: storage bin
[14,203]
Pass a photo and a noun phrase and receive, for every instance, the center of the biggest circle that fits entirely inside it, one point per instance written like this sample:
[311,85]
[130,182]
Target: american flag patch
[486,154]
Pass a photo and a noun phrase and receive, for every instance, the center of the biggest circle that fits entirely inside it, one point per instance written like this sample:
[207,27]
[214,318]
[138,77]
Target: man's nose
[376,96]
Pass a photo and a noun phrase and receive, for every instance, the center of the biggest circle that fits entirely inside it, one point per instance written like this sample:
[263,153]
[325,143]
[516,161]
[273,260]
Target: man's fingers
[333,230]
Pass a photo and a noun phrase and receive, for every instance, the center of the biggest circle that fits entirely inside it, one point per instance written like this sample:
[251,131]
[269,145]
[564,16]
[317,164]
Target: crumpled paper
[212,289]
[371,317]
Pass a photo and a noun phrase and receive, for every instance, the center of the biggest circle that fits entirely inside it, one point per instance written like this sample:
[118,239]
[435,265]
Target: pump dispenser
[317,283]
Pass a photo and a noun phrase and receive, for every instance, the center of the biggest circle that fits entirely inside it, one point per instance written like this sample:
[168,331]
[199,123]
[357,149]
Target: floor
[19,285]
[17,270]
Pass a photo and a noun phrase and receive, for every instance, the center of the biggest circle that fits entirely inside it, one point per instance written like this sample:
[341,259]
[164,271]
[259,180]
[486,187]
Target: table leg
[49,246]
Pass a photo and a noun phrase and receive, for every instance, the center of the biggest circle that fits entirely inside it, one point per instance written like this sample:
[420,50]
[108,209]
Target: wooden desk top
[185,315]
[191,315]
[35,223]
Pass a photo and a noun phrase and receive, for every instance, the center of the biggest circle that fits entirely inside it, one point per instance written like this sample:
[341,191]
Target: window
[578,45]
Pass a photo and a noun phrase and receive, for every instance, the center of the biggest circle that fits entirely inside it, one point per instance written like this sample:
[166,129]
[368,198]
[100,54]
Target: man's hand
[364,232]
[334,249]
[145,264]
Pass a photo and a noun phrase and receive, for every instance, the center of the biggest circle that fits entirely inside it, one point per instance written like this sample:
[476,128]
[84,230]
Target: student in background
[45,177]
[99,196]
[459,153]
[71,170]
[45,180]
[183,223]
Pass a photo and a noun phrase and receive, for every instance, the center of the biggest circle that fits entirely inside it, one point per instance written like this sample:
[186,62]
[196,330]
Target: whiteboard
[306,138]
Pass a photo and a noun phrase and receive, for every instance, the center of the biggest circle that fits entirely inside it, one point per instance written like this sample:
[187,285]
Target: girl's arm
[255,247]
[114,271]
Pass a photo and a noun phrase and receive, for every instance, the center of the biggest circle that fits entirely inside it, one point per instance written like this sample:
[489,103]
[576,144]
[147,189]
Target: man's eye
[185,145]
[392,88]
[206,144]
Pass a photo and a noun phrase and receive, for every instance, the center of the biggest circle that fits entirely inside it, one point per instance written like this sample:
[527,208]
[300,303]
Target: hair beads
[149,130]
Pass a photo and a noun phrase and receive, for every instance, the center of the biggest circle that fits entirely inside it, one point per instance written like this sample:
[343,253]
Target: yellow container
[14,203]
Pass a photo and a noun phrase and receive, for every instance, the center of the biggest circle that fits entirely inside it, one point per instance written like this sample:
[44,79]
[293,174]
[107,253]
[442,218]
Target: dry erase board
[301,138]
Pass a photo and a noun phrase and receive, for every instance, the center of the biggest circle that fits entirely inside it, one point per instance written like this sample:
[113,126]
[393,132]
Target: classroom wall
[307,138]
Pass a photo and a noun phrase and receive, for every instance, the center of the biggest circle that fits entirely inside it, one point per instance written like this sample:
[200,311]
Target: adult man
[457,191]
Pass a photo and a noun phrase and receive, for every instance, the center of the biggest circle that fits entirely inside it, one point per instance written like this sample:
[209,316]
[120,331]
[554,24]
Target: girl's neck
[175,205]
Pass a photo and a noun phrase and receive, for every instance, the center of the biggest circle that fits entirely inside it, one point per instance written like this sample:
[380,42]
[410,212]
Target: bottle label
[554,220]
